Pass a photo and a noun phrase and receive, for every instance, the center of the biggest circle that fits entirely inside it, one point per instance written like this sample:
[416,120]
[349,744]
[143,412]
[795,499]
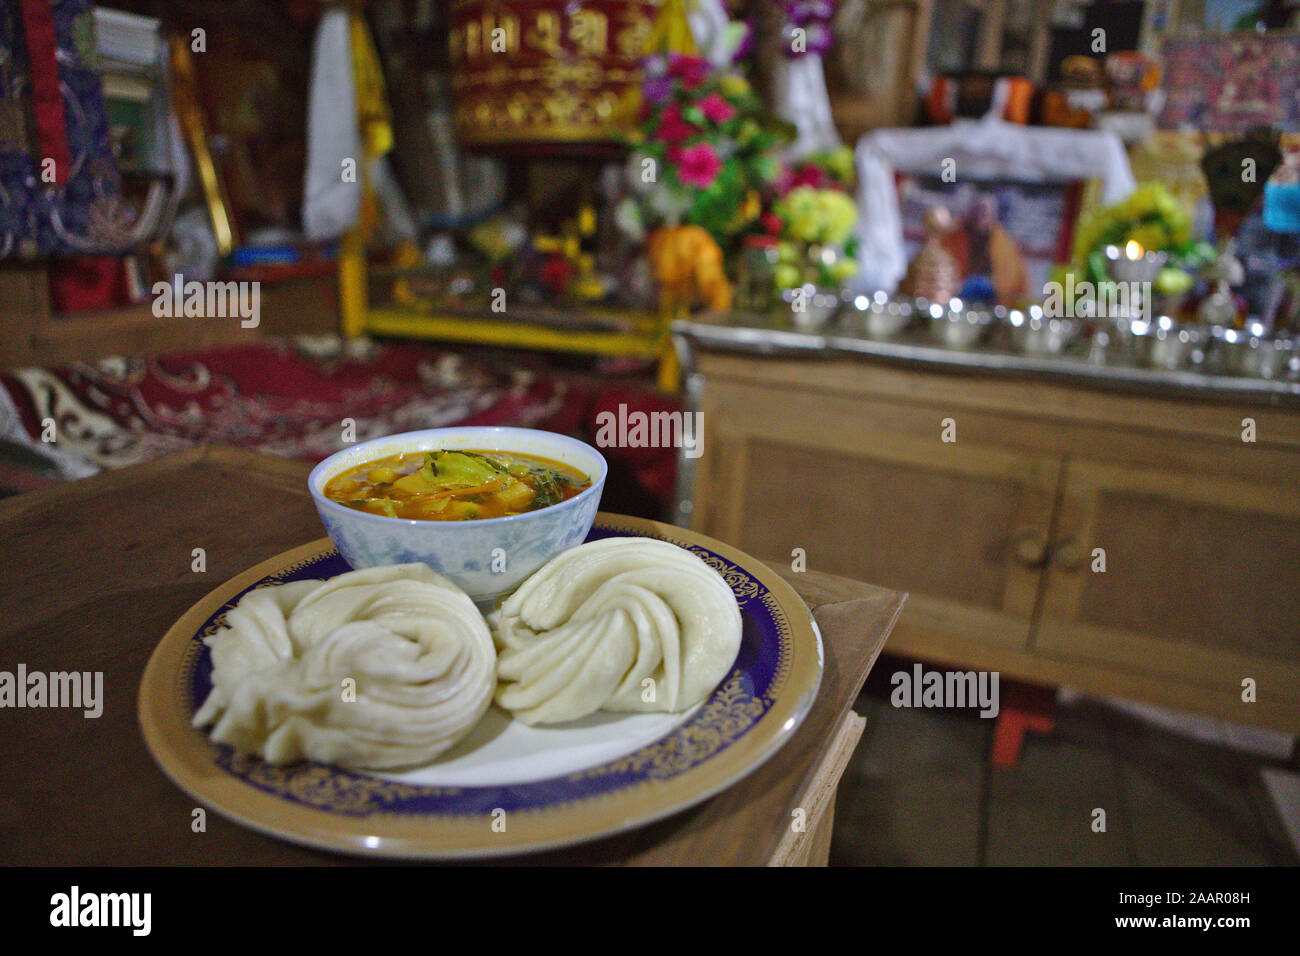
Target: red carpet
[294,397]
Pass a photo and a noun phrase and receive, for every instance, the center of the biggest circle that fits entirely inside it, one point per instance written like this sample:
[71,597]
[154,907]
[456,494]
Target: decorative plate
[506,788]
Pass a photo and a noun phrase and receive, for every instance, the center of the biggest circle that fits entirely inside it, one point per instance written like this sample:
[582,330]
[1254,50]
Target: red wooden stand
[1024,707]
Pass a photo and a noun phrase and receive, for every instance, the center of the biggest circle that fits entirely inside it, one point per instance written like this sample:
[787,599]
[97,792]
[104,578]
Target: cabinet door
[961,527]
[1201,581]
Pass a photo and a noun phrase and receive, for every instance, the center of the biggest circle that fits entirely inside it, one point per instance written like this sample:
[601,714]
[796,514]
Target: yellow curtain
[374,119]
[671,32]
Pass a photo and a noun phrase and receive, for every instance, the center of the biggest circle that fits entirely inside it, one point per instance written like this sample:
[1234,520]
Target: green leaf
[548,489]
[461,468]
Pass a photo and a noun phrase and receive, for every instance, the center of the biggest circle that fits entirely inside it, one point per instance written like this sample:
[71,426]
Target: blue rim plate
[755,710]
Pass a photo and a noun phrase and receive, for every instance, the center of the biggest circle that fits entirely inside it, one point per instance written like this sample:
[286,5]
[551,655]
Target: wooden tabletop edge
[810,781]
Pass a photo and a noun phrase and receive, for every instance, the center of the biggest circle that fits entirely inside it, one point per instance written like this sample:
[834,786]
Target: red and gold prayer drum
[545,71]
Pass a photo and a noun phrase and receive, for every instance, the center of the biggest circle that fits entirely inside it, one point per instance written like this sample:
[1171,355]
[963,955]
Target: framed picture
[1039,217]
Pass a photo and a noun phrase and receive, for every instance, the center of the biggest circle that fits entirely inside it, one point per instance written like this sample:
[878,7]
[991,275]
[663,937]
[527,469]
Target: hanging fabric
[60,191]
[799,80]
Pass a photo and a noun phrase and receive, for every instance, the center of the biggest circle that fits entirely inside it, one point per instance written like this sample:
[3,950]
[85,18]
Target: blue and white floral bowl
[488,557]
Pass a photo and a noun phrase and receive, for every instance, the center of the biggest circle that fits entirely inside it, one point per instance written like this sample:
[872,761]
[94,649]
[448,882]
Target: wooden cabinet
[1121,544]
[1200,577]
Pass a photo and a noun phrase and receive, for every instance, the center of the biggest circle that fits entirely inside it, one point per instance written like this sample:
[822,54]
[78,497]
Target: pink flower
[698,165]
[672,128]
[808,174]
[690,70]
[716,109]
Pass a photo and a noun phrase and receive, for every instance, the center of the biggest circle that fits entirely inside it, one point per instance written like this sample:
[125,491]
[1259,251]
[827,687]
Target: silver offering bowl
[958,327]
[1251,352]
[1036,333]
[1126,265]
[808,307]
[1101,350]
[878,316]
[1165,344]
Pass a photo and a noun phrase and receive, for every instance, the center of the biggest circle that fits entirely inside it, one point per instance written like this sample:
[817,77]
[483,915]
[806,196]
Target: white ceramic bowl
[488,557]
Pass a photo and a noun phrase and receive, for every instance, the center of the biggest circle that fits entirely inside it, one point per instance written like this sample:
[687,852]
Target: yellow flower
[838,214]
[840,163]
[844,268]
[818,215]
[733,85]
[1151,237]
[786,276]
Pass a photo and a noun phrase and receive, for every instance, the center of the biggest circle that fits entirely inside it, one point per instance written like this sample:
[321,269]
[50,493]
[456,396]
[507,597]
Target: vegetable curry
[455,485]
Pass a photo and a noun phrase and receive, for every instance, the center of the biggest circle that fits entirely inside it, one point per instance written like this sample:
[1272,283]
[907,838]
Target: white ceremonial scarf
[799,91]
[331,206]
[982,149]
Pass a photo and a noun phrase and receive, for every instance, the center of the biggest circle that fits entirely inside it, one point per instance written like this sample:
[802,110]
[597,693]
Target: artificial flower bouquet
[1152,218]
[704,151]
[812,216]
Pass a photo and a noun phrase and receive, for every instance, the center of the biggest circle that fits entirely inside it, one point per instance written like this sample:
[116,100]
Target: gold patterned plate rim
[257,796]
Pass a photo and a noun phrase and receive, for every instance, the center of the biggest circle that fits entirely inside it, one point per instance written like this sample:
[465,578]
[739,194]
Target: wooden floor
[920,791]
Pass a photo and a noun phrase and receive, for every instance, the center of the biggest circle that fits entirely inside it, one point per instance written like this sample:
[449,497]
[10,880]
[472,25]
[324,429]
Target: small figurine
[1081,93]
[991,252]
[1282,196]
[934,273]
[1233,194]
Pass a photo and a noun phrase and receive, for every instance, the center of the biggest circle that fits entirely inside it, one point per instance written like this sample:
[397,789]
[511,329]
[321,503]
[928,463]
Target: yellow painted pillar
[352,282]
[670,369]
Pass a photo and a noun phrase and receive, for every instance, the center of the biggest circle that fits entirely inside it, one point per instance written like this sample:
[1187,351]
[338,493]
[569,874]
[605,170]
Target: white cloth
[981,149]
[69,465]
[398,223]
[711,30]
[331,206]
[799,92]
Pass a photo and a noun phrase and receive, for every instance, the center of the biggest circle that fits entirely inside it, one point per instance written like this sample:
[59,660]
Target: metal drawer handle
[1068,554]
[1029,545]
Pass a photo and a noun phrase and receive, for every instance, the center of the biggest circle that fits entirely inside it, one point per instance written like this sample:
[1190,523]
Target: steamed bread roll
[587,629]
[418,654]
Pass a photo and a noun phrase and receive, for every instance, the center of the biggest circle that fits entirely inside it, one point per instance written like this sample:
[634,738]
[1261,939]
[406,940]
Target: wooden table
[94,573]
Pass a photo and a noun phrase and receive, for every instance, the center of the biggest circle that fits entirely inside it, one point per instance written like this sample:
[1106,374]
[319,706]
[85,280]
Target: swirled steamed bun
[417,652]
[591,627]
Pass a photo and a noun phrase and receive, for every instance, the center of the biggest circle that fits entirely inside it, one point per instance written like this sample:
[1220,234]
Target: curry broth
[456,485]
